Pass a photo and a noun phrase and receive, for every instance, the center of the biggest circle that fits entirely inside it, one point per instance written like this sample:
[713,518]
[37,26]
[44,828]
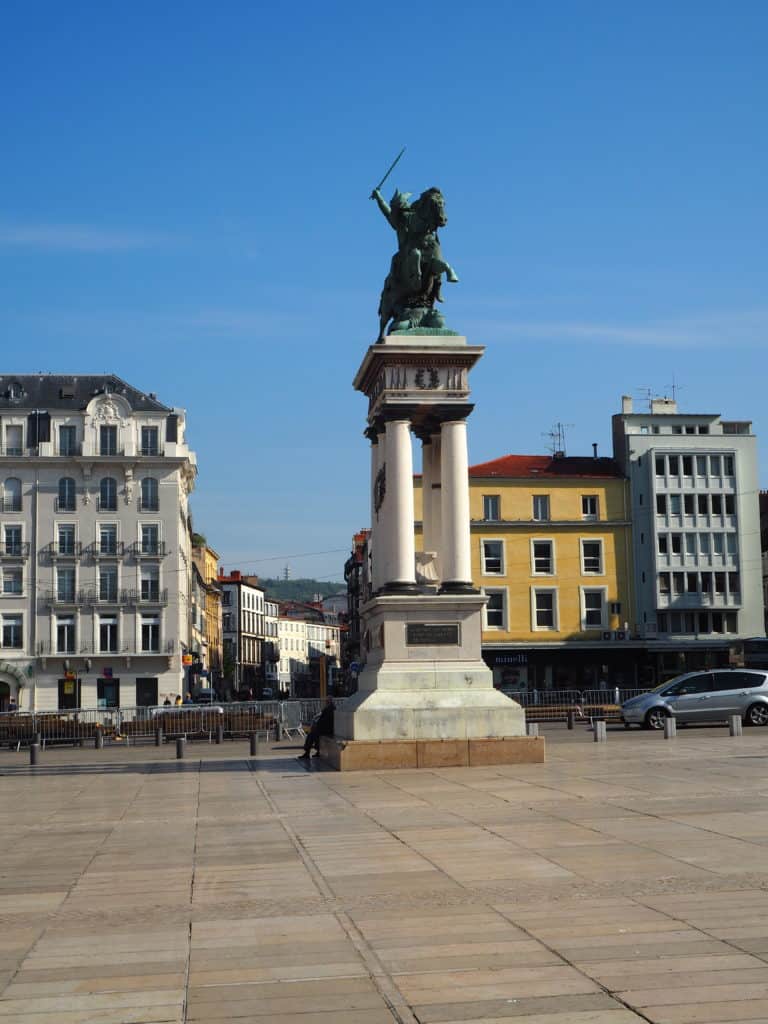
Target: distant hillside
[301,590]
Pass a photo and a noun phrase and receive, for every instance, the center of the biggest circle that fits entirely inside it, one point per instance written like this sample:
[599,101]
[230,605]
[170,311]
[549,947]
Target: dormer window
[15,390]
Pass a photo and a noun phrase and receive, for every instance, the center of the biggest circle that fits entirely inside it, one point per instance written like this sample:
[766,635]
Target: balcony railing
[101,550]
[152,595]
[11,451]
[109,452]
[72,550]
[108,505]
[151,450]
[148,549]
[65,505]
[149,506]
[11,505]
[69,450]
[14,550]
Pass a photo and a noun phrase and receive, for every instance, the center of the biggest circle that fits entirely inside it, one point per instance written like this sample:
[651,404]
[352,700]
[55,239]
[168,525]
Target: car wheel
[757,714]
[655,718]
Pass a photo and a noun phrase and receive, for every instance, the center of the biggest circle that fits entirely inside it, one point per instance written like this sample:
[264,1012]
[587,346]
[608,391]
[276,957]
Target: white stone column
[437,501]
[455,555]
[427,476]
[376,533]
[399,504]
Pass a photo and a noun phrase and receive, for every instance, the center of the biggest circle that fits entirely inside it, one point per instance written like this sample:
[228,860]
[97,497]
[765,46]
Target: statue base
[357,755]
[425,678]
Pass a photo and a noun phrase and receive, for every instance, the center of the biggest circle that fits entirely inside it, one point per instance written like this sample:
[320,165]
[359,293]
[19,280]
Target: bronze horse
[415,275]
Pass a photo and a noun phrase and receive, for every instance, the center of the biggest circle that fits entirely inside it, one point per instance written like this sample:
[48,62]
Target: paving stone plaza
[618,882]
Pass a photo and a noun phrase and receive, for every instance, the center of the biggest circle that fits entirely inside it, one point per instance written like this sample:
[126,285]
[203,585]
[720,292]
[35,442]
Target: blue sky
[184,202]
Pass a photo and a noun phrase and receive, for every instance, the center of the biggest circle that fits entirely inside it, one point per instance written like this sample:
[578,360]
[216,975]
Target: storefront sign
[432,634]
[186,659]
[511,659]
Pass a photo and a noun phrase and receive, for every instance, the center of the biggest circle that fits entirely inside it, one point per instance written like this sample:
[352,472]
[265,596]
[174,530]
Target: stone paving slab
[617,883]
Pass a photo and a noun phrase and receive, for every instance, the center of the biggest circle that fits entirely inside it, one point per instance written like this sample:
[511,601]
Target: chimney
[235,574]
[594,449]
[626,404]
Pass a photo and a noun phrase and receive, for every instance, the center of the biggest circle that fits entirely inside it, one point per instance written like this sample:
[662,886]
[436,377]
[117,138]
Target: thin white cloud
[76,237]
[744,329]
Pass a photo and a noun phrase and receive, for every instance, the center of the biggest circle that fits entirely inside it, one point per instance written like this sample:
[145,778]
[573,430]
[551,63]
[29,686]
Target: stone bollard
[254,744]
[670,728]
[180,742]
[600,734]
[158,737]
[98,740]
[571,717]
[532,729]
[735,725]
[219,733]
[34,753]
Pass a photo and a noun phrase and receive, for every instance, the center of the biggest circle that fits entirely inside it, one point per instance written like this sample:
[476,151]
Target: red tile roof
[532,467]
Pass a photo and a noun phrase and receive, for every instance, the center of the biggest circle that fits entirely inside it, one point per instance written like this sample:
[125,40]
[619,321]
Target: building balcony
[148,550]
[145,596]
[69,451]
[11,451]
[46,649]
[11,505]
[15,551]
[116,550]
[110,505]
[698,602]
[148,506]
[65,505]
[151,451]
[64,551]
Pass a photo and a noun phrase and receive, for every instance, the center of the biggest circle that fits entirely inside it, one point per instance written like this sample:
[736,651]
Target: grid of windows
[12,631]
[544,609]
[493,557]
[492,507]
[543,557]
[592,557]
[495,609]
[541,508]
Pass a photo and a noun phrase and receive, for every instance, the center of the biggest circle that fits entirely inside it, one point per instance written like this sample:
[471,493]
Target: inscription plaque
[432,634]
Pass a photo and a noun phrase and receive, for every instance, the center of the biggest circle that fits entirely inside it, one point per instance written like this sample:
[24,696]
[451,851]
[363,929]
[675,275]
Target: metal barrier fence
[275,718]
[555,705]
[135,725]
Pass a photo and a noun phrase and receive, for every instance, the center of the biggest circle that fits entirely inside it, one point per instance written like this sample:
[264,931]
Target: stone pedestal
[425,696]
[424,677]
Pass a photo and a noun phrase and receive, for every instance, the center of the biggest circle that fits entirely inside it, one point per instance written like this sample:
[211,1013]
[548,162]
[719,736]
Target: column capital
[422,421]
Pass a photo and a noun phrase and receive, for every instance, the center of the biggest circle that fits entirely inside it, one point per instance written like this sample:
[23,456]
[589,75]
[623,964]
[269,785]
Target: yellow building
[551,547]
[207,562]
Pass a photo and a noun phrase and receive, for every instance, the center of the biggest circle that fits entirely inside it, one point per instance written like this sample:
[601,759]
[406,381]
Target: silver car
[702,697]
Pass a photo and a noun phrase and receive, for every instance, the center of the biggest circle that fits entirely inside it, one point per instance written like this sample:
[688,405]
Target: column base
[361,755]
[457,587]
[395,587]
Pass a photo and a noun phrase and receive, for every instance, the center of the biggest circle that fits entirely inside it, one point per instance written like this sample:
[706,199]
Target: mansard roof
[73,392]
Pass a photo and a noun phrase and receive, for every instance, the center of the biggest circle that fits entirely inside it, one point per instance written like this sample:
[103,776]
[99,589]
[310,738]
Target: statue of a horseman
[415,275]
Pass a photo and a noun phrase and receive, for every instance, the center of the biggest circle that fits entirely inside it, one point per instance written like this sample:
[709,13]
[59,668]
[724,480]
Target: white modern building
[294,657]
[271,648]
[242,627]
[696,526]
[95,478]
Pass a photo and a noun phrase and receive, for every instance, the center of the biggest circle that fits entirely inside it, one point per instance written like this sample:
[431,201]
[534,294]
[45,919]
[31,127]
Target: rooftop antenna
[557,438]
[647,394]
[287,572]
[675,388]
